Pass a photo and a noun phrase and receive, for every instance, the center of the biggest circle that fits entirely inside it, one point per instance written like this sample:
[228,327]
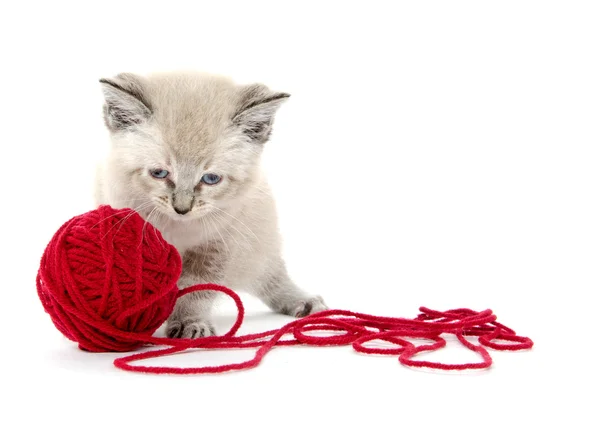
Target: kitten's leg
[191,316]
[281,294]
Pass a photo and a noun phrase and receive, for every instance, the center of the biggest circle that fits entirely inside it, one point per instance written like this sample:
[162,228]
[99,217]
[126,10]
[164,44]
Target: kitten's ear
[256,111]
[125,103]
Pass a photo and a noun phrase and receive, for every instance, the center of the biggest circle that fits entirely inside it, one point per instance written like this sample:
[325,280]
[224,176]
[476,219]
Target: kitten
[185,154]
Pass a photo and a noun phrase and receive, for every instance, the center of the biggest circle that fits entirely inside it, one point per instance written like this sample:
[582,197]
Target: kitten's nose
[181,211]
[183,202]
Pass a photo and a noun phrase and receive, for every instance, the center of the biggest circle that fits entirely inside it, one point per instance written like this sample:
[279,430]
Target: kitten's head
[185,143]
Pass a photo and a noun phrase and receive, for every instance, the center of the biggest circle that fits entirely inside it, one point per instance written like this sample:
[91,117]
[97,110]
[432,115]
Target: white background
[443,154]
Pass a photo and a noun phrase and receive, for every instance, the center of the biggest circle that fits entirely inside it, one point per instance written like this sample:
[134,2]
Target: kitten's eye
[159,173]
[210,178]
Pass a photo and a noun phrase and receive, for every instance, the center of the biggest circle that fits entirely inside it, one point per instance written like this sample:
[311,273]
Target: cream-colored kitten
[185,154]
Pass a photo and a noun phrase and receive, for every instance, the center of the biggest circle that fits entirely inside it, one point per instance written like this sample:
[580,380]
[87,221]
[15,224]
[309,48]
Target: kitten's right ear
[126,103]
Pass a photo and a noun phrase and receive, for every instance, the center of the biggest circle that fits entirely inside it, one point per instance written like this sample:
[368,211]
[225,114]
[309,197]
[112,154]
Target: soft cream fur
[190,124]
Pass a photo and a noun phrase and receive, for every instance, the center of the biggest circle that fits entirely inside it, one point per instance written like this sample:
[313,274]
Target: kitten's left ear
[126,103]
[256,111]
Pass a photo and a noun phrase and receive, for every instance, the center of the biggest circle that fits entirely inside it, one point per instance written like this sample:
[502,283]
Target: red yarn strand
[355,328]
[108,280]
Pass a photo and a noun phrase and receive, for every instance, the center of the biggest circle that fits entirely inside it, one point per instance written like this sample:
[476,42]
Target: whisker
[158,214]
[118,212]
[225,228]
[205,229]
[221,236]
[133,212]
[122,221]
[146,221]
[234,218]
[244,237]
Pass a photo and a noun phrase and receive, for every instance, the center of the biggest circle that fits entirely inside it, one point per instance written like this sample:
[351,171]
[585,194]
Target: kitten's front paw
[305,307]
[189,328]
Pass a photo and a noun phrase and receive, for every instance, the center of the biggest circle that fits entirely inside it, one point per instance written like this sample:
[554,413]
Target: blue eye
[159,173]
[210,178]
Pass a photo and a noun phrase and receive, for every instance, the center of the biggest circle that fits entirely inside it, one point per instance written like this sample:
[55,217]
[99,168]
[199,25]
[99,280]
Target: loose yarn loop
[345,328]
[108,280]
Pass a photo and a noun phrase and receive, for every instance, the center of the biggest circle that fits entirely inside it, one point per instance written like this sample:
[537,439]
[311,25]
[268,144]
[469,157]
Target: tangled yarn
[108,280]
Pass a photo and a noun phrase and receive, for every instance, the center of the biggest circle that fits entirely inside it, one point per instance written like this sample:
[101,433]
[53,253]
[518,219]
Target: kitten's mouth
[188,214]
[181,212]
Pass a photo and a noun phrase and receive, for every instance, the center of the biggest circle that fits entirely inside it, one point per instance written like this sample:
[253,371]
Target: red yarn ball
[107,276]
